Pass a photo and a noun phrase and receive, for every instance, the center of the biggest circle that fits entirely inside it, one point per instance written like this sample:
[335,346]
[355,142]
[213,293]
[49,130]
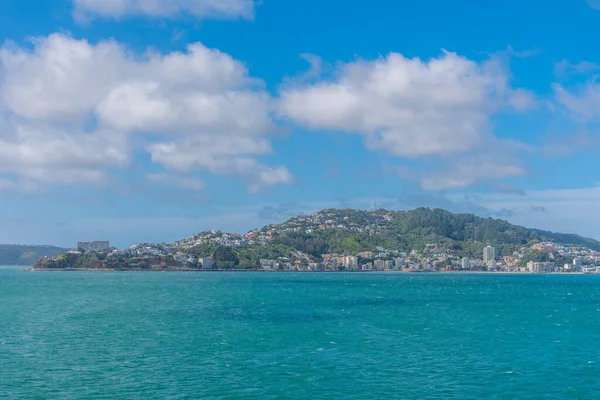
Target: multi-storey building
[351,262]
[538,267]
[379,265]
[489,257]
[94,245]
[465,263]
[398,263]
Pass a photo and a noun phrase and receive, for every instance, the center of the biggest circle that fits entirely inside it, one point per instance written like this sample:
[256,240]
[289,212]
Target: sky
[151,120]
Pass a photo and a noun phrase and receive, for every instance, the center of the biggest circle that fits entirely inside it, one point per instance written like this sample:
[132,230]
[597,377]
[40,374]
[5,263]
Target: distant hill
[25,254]
[306,239]
[339,231]
[348,231]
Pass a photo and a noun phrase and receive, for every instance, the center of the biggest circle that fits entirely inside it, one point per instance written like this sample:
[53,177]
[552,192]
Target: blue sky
[134,120]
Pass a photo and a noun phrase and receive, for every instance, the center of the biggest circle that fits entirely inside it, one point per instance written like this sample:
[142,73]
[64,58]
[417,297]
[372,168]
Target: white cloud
[522,100]
[222,155]
[412,108]
[62,79]
[220,9]
[197,109]
[462,173]
[582,103]
[565,68]
[45,155]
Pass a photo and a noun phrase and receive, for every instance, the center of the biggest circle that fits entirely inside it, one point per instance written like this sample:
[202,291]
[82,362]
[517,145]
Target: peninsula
[354,240]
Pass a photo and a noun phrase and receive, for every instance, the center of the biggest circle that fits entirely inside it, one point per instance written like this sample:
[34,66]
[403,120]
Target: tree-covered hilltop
[352,231]
[307,238]
[25,254]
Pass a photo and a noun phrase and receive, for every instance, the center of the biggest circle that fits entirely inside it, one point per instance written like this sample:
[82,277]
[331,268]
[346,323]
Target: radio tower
[374,205]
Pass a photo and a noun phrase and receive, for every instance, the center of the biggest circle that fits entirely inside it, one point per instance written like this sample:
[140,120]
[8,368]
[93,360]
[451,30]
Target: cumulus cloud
[197,109]
[411,108]
[44,155]
[565,68]
[220,9]
[462,173]
[583,102]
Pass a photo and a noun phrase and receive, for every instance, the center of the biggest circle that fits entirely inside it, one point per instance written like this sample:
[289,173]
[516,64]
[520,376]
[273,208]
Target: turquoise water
[84,335]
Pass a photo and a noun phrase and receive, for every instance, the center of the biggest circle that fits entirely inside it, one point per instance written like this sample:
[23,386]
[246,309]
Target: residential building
[539,267]
[268,264]
[388,265]
[379,265]
[207,262]
[398,263]
[351,262]
[465,263]
[94,245]
[489,257]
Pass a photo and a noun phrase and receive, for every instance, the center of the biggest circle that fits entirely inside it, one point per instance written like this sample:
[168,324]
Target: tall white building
[398,263]
[489,257]
[351,262]
[465,263]
[94,245]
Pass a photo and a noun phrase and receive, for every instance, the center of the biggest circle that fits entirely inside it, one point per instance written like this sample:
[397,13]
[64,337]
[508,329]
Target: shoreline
[31,269]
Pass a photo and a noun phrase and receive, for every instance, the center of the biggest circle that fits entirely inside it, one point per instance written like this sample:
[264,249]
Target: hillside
[350,231]
[423,238]
[25,254]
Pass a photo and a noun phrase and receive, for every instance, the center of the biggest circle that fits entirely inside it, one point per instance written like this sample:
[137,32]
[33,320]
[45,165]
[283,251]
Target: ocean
[135,335]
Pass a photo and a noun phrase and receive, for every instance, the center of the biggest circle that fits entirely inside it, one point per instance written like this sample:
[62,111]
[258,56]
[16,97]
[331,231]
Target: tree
[225,257]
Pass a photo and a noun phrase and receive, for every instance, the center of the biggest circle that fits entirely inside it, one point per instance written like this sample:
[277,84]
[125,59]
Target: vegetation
[465,234]
[338,232]
[25,255]
[93,260]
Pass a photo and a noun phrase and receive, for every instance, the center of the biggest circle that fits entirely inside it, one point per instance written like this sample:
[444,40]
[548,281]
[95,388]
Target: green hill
[350,231]
[25,254]
[307,238]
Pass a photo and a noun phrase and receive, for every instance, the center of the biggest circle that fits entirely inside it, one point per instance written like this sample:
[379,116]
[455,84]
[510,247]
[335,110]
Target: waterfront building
[465,263]
[207,262]
[539,267]
[398,263]
[489,257]
[351,262]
